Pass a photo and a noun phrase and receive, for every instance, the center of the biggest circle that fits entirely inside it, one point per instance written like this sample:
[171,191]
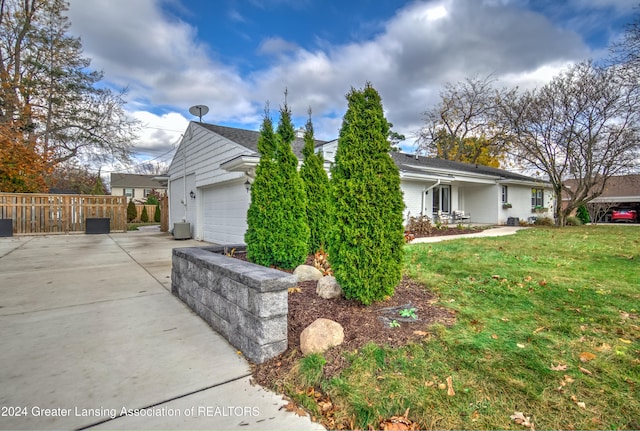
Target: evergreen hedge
[144,217]
[317,189]
[583,214]
[365,250]
[277,233]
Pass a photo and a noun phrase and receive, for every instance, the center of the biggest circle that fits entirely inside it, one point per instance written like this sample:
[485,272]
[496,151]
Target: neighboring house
[136,187]
[214,166]
[620,192]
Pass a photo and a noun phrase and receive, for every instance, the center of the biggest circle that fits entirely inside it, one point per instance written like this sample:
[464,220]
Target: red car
[624,215]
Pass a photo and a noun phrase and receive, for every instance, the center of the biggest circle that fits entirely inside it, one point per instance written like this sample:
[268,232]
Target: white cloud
[424,45]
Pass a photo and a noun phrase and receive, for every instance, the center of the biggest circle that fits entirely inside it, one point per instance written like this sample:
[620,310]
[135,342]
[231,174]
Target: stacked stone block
[244,302]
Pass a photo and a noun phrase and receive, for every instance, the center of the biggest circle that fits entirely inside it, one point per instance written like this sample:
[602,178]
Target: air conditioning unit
[181,230]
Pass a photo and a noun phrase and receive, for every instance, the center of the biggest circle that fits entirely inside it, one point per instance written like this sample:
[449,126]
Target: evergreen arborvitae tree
[144,217]
[365,250]
[157,217]
[317,188]
[277,232]
[132,212]
[290,230]
[258,236]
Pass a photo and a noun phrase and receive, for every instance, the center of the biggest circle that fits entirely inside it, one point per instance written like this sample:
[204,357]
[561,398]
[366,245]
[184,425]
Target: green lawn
[544,298]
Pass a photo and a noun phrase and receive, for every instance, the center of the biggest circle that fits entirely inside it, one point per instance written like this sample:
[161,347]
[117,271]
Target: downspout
[424,192]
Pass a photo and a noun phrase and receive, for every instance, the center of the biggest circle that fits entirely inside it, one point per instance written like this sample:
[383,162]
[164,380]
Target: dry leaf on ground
[587,356]
[585,371]
[559,367]
[450,390]
[521,419]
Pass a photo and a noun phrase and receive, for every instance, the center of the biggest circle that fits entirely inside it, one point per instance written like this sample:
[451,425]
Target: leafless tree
[582,125]
[463,126]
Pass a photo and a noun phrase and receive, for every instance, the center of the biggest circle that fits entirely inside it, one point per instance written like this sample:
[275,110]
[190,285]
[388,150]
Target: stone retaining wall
[244,302]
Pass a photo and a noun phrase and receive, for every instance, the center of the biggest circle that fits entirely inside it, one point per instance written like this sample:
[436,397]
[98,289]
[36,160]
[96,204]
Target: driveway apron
[91,337]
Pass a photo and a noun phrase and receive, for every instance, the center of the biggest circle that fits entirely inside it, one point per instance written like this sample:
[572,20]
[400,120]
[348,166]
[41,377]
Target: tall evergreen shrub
[366,246]
[157,216]
[317,188]
[277,232]
[132,212]
[144,217]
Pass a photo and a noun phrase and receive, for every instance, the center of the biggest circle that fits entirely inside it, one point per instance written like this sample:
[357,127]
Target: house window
[147,192]
[537,198]
[442,199]
[130,193]
[504,195]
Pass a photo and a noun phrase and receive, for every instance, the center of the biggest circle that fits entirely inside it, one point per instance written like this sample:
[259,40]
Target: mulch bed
[362,324]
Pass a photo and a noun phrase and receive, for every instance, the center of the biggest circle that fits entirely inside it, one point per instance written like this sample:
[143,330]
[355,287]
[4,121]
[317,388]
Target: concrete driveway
[90,337]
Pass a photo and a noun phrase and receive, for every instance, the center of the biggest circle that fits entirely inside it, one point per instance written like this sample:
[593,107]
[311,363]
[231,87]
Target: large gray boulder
[328,288]
[321,335]
[307,273]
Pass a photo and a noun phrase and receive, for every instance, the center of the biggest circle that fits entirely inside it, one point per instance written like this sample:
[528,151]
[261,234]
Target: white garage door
[224,213]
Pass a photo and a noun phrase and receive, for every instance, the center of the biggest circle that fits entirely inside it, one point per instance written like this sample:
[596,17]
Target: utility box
[513,221]
[6,227]
[97,225]
[181,230]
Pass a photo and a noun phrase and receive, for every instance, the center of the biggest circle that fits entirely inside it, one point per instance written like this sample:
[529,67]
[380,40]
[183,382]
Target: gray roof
[249,138]
[135,181]
[407,162]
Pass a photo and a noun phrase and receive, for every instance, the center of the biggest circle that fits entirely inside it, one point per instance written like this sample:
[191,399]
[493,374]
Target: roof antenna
[199,111]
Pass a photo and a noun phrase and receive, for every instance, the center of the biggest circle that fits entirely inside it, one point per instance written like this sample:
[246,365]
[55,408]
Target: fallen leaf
[570,290]
[294,290]
[521,419]
[528,278]
[496,277]
[587,356]
[522,346]
[559,367]
[450,390]
[429,384]
[442,386]
[421,333]
[604,348]
[581,404]
[542,282]
[585,371]
[625,341]
[541,328]
[568,379]
[494,336]
[504,319]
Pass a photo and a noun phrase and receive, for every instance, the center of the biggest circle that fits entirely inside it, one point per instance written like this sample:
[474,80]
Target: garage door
[224,213]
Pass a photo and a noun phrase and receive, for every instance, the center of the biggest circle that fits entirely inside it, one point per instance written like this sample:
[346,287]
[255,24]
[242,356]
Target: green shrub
[317,189]
[157,217]
[152,200]
[132,212]
[573,221]
[277,232]
[583,214]
[144,217]
[367,238]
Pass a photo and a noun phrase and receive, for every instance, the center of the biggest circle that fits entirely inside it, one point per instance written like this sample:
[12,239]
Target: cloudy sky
[235,55]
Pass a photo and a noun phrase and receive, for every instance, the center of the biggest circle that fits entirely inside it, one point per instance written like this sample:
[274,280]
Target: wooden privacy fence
[34,213]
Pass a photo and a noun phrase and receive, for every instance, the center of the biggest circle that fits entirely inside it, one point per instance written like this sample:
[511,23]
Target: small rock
[320,335]
[328,288]
[307,273]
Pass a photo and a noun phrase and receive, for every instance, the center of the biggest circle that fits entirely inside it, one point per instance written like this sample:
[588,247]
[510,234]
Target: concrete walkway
[494,231]
[90,336]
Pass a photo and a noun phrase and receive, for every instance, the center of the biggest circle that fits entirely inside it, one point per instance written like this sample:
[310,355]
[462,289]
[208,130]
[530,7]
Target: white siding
[199,157]
[224,213]
[413,192]
[482,202]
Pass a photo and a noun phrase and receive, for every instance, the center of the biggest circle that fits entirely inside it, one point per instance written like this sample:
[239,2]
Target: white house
[214,166]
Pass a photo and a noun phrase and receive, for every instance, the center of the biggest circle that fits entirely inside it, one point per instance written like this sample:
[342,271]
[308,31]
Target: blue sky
[235,55]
